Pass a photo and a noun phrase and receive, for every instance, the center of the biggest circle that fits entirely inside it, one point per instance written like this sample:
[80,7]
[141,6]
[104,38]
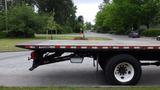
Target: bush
[2,34]
[21,34]
[67,29]
[24,22]
[151,32]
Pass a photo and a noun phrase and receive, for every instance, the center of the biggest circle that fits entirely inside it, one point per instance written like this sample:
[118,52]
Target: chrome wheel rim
[124,72]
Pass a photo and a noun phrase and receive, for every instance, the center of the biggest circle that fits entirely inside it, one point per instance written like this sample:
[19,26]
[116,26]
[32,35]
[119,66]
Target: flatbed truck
[121,61]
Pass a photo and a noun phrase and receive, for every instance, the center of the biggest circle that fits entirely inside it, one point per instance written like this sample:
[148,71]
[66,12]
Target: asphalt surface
[14,70]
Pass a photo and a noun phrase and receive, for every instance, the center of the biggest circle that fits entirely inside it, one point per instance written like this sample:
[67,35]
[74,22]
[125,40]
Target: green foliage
[2,21]
[150,10]
[51,24]
[2,34]
[77,27]
[88,26]
[64,12]
[42,21]
[151,32]
[67,29]
[23,21]
[64,18]
[109,19]
[122,16]
[99,21]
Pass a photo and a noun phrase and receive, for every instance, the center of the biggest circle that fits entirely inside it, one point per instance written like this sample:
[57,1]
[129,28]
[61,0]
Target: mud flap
[36,63]
[37,60]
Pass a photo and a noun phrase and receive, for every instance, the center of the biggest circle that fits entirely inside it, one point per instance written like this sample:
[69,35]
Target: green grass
[73,88]
[8,44]
[66,37]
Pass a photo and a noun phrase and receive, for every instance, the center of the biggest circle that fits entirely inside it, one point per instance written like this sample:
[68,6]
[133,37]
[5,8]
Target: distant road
[114,37]
[118,37]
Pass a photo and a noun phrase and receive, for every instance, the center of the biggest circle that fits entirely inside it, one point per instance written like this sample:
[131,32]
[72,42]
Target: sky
[88,9]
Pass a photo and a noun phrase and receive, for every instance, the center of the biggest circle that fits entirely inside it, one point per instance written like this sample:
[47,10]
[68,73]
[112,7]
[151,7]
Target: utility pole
[6,13]
[1,5]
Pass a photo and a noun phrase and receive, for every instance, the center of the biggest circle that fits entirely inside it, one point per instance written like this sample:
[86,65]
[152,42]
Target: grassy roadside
[73,88]
[9,44]
[66,37]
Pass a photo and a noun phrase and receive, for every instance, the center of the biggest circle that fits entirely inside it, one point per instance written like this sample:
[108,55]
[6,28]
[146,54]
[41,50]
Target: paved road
[14,71]
[119,37]
[114,37]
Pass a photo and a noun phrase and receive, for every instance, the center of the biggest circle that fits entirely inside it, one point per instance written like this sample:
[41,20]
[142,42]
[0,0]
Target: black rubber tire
[102,64]
[103,60]
[114,61]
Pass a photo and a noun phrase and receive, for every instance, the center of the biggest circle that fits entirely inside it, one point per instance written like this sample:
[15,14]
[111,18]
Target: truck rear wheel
[123,70]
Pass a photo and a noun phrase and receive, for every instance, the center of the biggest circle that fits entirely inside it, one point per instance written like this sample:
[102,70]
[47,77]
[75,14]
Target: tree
[2,25]
[88,25]
[2,20]
[81,23]
[24,22]
[150,9]
[52,26]
[64,11]
[99,21]
[123,16]
[108,19]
